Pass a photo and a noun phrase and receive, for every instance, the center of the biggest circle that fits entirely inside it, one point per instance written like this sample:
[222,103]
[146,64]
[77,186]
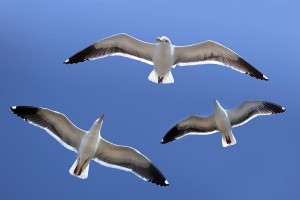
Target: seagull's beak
[159,39]
[102,116]
[216,102]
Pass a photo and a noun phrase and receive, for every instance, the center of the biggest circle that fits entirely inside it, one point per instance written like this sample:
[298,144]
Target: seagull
[222,120]
[90,145]
[165,56]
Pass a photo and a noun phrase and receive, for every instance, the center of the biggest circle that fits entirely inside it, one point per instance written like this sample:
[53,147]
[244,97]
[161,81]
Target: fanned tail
[228,140]
[153,77]
[80,171]
[168,78]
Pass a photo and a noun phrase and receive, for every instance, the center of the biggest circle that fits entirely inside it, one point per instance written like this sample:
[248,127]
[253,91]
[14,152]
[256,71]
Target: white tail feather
[168,78]
[85,172]
[232,139]
[153,77]
[71,170]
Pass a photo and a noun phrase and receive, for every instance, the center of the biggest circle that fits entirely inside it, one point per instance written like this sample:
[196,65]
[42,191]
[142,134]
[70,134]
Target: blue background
[37,36]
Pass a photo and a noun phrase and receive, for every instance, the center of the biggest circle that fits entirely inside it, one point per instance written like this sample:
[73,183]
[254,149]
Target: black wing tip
[23,111]
[260,77]
[13,108]
[165,141]
[81,56]
[164,183]
[67,61]
[265,78]
[275,107]
[253,71]
[170,135]
[282,110]
[157,177]
[74,61]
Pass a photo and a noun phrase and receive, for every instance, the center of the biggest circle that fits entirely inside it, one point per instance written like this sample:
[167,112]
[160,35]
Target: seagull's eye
[167,41]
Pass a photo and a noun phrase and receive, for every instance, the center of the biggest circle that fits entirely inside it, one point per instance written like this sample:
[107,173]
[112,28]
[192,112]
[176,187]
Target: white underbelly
[222,122]
[162,70]
[163,61]
[88,146]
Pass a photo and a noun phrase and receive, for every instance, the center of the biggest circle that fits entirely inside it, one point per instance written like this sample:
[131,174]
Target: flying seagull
[222,120]
[90,145]
[164,55]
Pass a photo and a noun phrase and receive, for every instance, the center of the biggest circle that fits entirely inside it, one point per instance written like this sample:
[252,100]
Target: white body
[87,149]
[223,124]
[163,59]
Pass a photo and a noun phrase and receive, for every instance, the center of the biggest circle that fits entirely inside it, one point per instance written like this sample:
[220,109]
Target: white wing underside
[251,109]
[195,133]
[208,62]
[117,167]
[126,56]
[247,120]
[55,137]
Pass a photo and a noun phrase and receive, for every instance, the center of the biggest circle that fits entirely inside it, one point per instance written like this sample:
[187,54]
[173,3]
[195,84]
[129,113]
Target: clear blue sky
[37,36]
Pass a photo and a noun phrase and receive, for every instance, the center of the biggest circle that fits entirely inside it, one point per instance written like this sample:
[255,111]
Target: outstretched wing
[55,123]
[193,125]
[128,159]
[120,44]
[211,52]
[250,109]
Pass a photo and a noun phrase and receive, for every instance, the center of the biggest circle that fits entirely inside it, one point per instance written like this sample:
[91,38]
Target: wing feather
[211,52]
[251,109]
[120,45]
[128,159]
[193,125]
[55,123]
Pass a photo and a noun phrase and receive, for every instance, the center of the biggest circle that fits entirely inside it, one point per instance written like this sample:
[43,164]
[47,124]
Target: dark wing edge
[245,115]
[32,116]
[211,57]
[146,170]
[86,54]
[188,126]
[115,48]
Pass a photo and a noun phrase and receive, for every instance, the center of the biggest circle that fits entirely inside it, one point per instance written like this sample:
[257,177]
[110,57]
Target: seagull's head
[102,117]
[216,103]
[99,121]
[164,40]
[97,124]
